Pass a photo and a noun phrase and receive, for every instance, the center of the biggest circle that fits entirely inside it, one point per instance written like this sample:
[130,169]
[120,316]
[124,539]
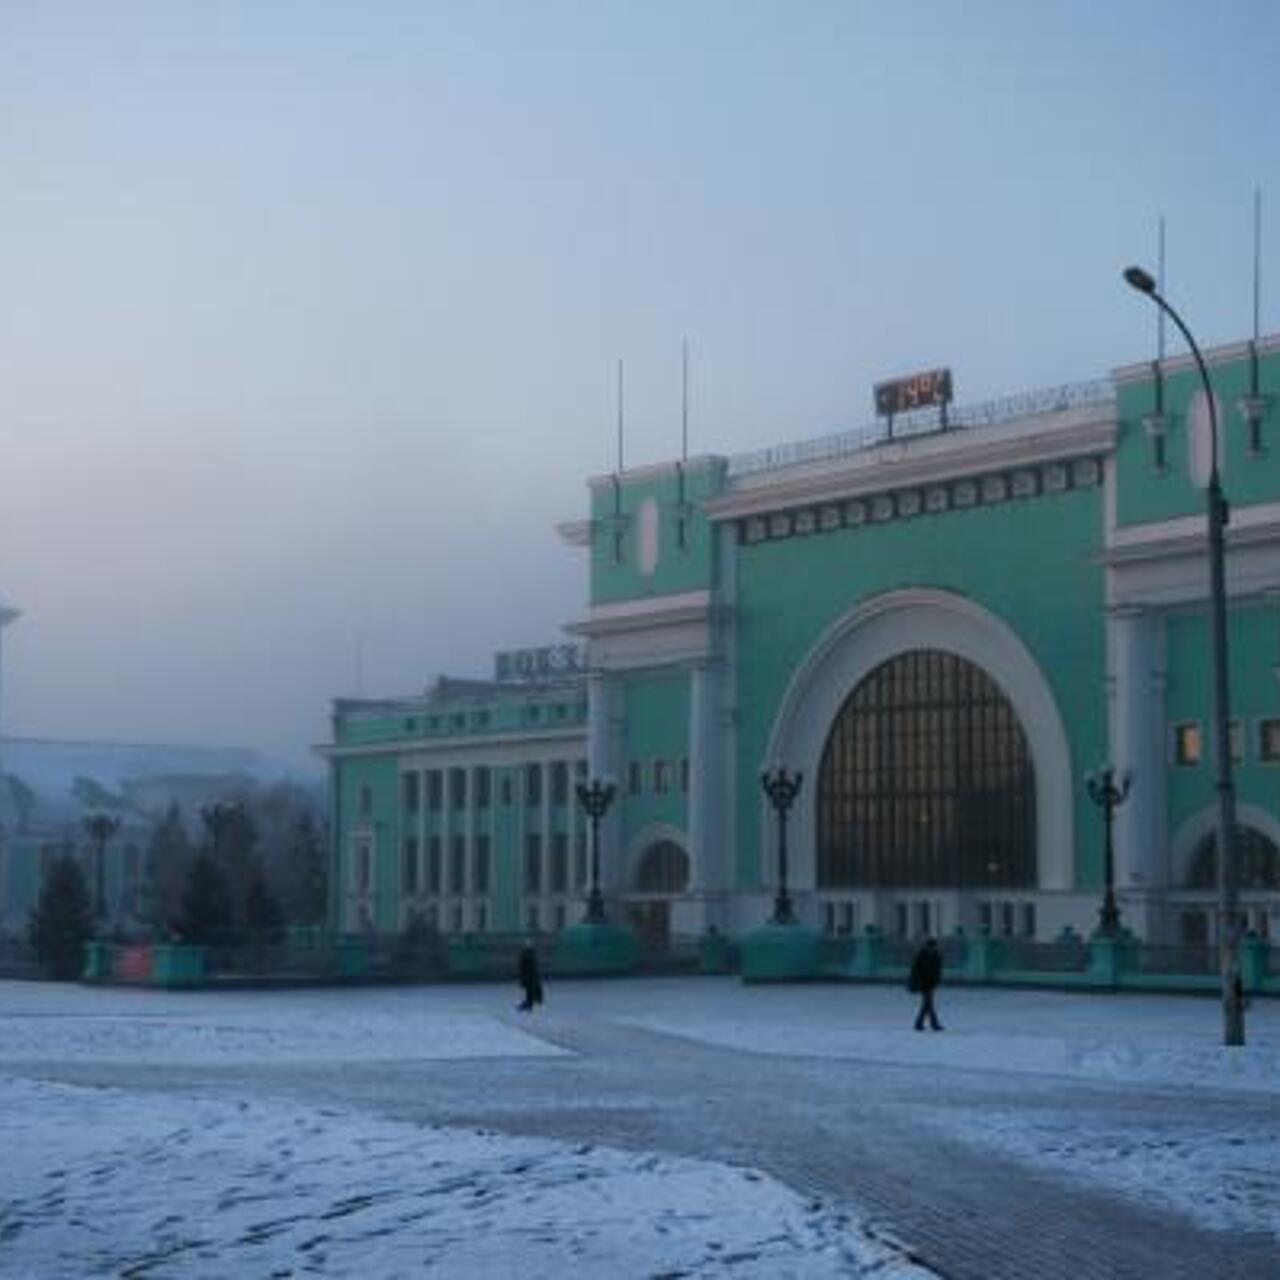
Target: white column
[604,756]
[706,839]
[1137,745]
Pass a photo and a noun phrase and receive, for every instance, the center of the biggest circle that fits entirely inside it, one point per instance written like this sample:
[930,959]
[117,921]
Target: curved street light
[1228,948]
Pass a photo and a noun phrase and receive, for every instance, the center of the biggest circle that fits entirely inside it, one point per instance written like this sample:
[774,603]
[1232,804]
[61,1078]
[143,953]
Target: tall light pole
[782,788]
[1108,791]
[100,828]
[1228,943]
[595,800]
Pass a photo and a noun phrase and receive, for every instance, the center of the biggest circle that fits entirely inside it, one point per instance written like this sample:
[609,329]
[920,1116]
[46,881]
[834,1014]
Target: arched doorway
[1194,874]
[926,780]
[662,873]
[898,623]
[1257,880]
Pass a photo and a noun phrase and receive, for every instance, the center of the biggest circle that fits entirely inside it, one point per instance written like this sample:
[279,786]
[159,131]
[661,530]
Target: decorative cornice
[922,462]
[656,471]
[644,614]
[1228,354]
[981,490]
[449,746]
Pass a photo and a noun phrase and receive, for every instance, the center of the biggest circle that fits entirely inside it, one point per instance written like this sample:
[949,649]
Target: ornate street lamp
[100,828]
[595,799]
[782,788]
[1108,791]
[1228,953]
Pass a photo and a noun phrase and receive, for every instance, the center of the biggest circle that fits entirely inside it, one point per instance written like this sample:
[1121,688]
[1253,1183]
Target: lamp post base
[1109,917]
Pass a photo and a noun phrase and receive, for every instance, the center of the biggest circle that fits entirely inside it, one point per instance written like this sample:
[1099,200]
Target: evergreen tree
[23,799]
[62,921]
[262,915]
[166,866]
[231,838]
[308,868]
[206,903]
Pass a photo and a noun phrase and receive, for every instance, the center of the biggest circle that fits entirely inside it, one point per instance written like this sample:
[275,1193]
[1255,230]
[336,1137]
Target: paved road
[844,1131]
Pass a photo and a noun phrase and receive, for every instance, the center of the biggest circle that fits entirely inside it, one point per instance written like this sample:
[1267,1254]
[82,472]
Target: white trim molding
[882,628]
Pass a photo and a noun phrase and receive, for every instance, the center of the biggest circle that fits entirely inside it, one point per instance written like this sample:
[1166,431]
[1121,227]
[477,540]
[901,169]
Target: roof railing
[922,422]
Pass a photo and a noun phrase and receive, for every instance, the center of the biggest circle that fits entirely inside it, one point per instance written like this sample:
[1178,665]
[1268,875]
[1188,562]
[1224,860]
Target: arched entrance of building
[661,875]
[985,683]
[926,781]
[1195,871]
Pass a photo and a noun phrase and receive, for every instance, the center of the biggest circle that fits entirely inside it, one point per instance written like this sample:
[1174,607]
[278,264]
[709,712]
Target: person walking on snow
[926,974]
[530,977]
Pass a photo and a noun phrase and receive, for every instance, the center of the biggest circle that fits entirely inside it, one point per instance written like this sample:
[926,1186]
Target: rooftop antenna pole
[684,399]
[617,480]
[1253,406]
[619,416]
[1160,285]
[1257,261]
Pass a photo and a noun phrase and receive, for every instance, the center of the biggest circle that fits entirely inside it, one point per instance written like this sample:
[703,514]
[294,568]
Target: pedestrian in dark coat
[926,974]
[530,978]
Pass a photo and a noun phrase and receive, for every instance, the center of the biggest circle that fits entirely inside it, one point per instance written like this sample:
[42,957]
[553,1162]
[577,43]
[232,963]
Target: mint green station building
[944,628]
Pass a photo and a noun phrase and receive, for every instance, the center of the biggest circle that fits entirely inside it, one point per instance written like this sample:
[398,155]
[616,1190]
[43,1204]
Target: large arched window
[1257,861]
[663,869]
[926,780]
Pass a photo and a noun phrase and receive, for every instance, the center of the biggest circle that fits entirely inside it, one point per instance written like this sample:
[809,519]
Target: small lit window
[1187,744]
[661,776]
[1236,737]
[1269,741]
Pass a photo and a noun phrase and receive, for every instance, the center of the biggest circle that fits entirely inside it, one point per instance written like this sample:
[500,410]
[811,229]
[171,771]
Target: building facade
[943,627]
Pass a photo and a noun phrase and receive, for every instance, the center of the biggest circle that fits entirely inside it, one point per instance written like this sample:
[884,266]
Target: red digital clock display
[918,391]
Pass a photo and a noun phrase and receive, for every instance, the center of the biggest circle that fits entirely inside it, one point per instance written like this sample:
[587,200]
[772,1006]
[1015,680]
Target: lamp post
[100,828]
[595,799]
[1228,952]
[1108,791]
[782,788]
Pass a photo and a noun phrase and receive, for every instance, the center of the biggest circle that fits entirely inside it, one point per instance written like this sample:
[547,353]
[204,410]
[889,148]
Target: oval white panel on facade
[647,518]
[1200,437]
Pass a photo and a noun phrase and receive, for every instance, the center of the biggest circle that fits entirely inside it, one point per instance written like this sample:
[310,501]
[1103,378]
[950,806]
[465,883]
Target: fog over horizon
[312,310]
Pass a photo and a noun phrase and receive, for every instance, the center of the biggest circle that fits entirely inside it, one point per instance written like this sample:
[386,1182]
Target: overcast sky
[309,311]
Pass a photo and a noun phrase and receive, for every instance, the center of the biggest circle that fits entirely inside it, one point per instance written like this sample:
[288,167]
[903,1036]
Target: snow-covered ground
[1225,1178]
[106,1181]
[112,1183]
[175,1182]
